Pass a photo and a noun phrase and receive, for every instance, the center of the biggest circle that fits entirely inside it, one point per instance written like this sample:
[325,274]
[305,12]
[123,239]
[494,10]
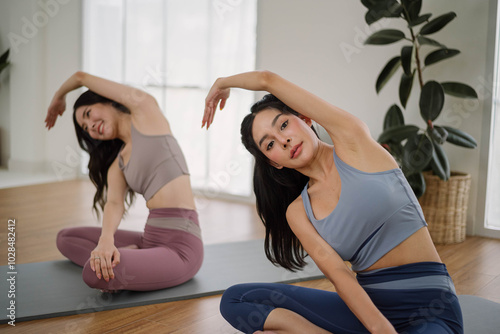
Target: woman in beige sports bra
[131,150]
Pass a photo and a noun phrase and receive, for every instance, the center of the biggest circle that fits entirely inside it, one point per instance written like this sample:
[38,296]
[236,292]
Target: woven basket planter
[444,204]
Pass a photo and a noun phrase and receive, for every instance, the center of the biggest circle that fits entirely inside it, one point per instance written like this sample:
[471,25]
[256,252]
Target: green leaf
[439,55]
[380,9]
[439,163]
[417,153]
[438,134]
[374,3]
[437,24]
[395,10]
[393,117]
[405,88]
[4,56]
[431,100]
[406,58]
[419,20]
[386,36]
[425,40]
[387,72]
[459,90]
[398,133]
[3,66]
[372,16]
[417,183]
[369,3]
[460,138]
[412,8]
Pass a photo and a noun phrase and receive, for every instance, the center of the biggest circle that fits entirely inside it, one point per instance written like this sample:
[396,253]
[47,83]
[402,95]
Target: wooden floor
[40,211]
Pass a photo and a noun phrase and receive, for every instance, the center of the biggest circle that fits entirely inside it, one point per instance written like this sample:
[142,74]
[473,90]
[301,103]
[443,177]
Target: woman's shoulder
[151,124]
[369,156]
[295,209]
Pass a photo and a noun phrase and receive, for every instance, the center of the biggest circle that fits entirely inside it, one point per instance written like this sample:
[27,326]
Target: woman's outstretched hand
[56,108]
[103,259]
[215,96]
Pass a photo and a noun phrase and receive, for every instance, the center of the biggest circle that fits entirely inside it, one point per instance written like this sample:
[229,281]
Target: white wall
[318,44]
[44,37]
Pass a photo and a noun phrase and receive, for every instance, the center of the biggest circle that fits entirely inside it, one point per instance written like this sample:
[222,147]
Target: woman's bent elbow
[79,76]
[266,79]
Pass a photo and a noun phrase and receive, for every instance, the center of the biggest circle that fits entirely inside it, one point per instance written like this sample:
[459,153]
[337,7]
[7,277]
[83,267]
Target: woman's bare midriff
[175,194]
[417,248]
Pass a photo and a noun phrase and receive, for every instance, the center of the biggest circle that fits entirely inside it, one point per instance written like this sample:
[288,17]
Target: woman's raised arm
[132,98]
[340,125]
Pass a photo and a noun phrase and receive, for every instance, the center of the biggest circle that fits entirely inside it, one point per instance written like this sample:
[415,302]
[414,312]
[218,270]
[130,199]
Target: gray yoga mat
[481,316]
[55,288]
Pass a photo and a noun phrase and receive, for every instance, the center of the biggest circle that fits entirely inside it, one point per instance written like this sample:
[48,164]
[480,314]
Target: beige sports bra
[155,161]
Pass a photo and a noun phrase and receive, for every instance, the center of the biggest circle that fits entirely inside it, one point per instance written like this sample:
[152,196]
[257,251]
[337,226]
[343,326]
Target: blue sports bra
[375,213]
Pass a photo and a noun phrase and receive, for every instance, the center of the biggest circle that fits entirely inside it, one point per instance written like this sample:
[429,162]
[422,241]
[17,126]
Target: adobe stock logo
[223,6]
[30,28]
[358,42]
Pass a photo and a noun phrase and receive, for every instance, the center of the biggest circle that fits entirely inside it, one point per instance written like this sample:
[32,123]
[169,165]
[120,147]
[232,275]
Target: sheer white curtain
[493,193]
[175,50]
[492,213]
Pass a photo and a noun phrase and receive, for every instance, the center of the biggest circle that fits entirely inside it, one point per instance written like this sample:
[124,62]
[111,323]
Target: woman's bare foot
[131,247]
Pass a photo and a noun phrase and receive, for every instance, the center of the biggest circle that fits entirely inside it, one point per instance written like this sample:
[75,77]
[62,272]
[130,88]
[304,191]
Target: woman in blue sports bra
[343,202]
[132,150]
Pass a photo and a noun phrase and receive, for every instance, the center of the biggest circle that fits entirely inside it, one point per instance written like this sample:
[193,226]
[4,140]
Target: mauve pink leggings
[166,256]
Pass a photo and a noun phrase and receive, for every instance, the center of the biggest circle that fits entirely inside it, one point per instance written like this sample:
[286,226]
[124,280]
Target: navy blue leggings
[415,298]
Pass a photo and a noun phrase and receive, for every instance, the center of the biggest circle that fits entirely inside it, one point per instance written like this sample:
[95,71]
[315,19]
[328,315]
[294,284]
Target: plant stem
[417,59]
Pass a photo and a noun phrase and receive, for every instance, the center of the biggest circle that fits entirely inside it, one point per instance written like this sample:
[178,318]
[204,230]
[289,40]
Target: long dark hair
[102,152]
[274,190]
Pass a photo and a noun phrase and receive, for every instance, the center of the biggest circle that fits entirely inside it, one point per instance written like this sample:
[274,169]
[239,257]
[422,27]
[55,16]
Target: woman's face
[98,120]
[285,139]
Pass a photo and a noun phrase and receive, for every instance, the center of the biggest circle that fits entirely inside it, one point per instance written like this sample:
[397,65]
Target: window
[175,50]
[492,214]
[492,217]
[493,193]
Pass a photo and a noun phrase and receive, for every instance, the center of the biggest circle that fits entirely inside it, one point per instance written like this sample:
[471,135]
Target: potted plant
[419,150]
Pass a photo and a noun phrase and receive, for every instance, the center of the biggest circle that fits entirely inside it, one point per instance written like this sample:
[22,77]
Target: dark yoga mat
[55,288]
